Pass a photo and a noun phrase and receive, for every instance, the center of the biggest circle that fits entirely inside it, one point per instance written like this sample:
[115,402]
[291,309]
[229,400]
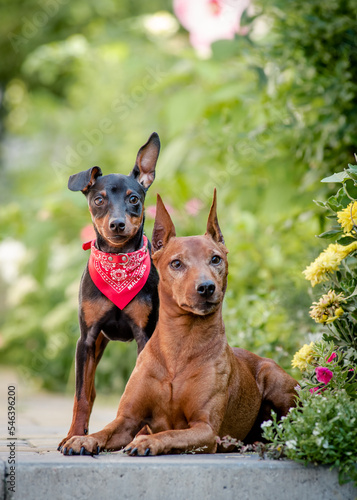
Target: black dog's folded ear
[213,228]
[164,228]
[144,170]
[84,180]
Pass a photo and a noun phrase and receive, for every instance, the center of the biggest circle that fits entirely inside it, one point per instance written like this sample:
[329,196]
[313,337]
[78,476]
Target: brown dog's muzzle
[206,289]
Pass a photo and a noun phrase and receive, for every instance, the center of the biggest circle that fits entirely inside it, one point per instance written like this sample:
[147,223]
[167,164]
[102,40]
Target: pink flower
[314,389]
[87,233]
[332,357]
[193,206]
[323,374]
[209,20]
[150,210]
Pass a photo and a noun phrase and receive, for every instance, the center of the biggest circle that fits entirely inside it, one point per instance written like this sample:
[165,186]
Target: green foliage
[321,430]
[261,120]
[341,206]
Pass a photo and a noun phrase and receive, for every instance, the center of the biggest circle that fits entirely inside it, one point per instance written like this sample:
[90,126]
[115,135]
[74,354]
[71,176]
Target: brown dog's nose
[206,289]
[117,225]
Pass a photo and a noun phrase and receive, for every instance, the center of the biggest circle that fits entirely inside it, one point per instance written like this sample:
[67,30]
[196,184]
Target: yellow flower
[328,308]
[327,262]
[303,357]
[347,217]
[338,313]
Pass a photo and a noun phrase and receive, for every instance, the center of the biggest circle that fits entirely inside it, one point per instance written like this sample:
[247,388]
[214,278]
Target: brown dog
[189,386]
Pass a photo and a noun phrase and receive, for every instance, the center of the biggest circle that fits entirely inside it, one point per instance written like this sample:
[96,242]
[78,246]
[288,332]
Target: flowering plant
[321,430]
[323,427]
[325,367]
[335,268]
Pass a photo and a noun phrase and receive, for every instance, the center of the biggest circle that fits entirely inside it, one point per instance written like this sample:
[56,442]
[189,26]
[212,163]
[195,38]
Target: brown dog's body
[189,386]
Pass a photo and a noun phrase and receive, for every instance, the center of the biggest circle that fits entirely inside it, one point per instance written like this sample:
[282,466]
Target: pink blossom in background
[193,206]
[87,233]
[150,210]
[209,20]
[323,374]
[314,389]
[332,357]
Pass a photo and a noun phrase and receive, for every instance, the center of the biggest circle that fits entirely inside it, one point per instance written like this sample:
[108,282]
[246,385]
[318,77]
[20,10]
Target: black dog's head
[116,201]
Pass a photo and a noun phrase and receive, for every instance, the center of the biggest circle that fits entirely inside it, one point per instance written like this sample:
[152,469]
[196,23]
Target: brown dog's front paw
[143,446]
[81,445]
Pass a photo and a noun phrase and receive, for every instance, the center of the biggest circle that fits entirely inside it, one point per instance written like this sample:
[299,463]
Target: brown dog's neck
[183,336]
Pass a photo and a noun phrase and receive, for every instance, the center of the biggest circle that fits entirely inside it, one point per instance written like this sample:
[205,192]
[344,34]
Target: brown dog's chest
[177,397]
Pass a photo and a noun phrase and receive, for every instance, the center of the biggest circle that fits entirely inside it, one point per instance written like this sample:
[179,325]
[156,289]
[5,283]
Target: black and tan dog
[119,272]
[189,386]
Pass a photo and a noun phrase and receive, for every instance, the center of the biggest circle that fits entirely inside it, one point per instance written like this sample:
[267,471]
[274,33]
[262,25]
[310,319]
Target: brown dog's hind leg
[279,394]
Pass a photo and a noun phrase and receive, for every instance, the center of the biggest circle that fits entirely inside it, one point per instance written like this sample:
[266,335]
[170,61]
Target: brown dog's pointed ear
[163,227]
[213,228]
[144,170]
[84,180]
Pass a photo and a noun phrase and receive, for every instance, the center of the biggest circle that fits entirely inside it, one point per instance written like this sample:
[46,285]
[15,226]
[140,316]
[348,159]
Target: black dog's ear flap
[213,228]
[144,170]
[84,180]
[163,227]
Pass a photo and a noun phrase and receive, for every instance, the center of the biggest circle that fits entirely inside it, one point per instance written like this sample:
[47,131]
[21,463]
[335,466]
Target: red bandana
[119,276]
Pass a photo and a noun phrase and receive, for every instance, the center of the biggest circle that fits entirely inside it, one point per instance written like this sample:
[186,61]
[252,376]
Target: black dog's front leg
[90,348]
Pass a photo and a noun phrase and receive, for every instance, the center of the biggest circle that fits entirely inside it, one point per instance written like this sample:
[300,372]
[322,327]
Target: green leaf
[338,177]
[330,234]
[352,175]
[334,204]
[350,189]
[321,204]
[353,168]
[346,240]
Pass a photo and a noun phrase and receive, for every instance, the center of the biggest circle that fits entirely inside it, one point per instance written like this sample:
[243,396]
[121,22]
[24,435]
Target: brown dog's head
[193,270]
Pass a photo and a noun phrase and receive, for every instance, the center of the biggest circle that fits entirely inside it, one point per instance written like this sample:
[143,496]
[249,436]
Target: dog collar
[119,276]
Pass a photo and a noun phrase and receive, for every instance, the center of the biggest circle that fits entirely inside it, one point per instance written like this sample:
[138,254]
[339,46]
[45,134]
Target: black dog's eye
[176,264]
[133,199]
[216,259]
[99,201]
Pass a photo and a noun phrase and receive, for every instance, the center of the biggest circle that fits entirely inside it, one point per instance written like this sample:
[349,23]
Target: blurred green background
[263,119]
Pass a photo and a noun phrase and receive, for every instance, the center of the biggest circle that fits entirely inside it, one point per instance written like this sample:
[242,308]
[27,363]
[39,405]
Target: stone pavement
[43,473]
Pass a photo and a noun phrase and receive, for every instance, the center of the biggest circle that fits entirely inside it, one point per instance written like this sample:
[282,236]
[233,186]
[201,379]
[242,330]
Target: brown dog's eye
[99,201]
[133,199]
[216,259]
[176,264]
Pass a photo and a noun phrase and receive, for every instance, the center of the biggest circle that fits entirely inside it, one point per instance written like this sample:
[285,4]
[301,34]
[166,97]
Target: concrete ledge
[41,476]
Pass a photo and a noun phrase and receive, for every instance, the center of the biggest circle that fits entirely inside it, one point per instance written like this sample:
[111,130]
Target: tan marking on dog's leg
[138,312]
[94,310]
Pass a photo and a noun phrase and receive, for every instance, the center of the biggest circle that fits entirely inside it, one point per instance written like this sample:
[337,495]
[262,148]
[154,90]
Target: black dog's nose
[206,289]
[117,225]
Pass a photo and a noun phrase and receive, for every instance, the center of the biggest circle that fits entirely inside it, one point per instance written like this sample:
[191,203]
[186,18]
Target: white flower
[291,444]
[267,423]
